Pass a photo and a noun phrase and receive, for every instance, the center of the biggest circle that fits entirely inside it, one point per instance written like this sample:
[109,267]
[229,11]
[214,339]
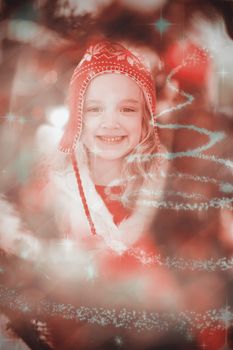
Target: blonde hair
[137,172]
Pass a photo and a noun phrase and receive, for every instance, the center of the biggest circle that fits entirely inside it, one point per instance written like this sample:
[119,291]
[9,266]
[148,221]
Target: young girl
[111,142]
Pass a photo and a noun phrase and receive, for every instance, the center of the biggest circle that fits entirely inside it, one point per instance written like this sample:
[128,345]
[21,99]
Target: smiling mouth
[111,139]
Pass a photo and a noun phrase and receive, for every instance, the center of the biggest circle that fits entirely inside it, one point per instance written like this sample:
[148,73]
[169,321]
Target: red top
[115,206]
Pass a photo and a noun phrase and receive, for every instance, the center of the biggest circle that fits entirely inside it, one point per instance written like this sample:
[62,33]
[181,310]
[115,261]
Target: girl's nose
[110,120]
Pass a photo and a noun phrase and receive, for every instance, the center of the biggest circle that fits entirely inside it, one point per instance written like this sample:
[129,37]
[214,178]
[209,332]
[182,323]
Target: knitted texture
[82,194]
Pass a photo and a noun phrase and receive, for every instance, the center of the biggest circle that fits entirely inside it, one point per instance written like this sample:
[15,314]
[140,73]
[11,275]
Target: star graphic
[25,308]
[22,120]
[91,273]
[223,73]
[226,316]
[162,25]
[67,243]
[10,118]
[118,340]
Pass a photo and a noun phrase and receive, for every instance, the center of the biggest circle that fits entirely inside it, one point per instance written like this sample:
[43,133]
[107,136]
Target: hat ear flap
[82,194]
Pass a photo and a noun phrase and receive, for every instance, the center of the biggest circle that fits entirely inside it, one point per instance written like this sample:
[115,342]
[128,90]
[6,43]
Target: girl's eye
[93,109]
[128,110]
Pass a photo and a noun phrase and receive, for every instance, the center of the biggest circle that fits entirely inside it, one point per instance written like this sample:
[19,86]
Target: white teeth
[111,139]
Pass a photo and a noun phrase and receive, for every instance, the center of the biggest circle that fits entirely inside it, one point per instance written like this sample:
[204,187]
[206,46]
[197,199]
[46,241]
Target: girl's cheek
[90,124]
[94,119]
[135,122]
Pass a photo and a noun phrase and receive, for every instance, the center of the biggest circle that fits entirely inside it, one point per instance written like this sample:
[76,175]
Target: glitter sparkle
[162,25]
[124,318]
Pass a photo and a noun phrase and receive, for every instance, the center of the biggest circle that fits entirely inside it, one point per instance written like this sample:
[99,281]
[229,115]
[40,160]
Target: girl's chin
[108,154]
[111,156]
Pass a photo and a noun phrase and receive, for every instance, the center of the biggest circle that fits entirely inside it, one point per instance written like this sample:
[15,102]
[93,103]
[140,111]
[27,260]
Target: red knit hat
[103,57]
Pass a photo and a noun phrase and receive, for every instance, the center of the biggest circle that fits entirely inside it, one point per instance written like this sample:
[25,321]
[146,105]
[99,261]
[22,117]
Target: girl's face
[112,116]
